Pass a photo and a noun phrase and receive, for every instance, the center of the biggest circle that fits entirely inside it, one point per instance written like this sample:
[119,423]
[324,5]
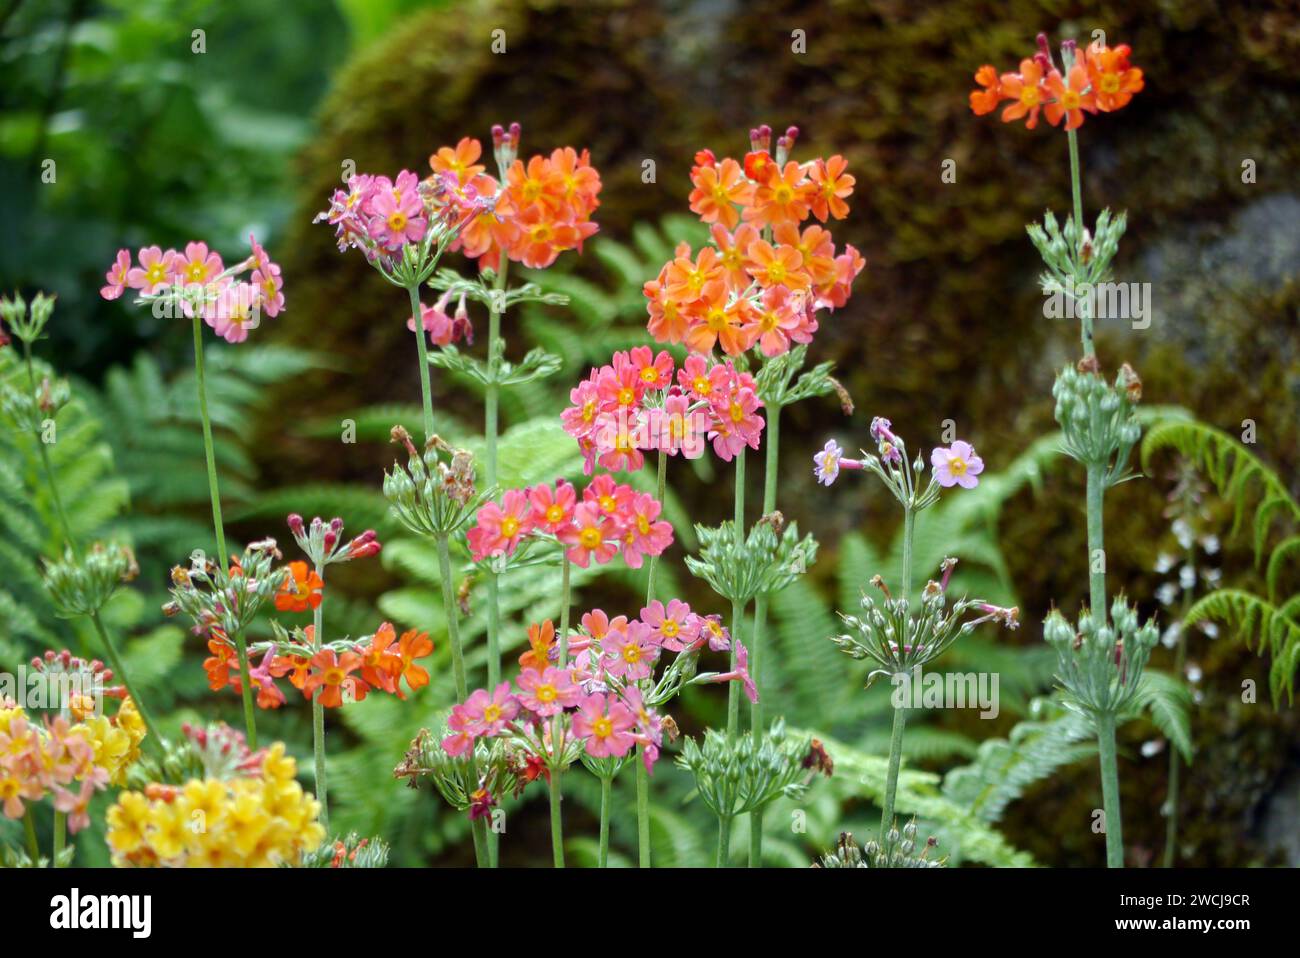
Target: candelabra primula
[69,751]
[242,809]
[197,284]
[602,707]
[897,633]
[1097,419]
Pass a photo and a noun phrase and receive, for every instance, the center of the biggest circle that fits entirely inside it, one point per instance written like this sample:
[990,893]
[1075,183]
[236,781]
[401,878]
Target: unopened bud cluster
[227,599]
[434,493]
[767,560]
[899,851]
[1076,261]
[81,585]
[735,776]
[1100,667]
[324,544]
[1098,421]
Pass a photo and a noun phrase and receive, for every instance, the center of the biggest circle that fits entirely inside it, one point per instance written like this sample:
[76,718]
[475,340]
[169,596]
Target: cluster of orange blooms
[766,275]
[1100,78]
[336,674]
[542,207]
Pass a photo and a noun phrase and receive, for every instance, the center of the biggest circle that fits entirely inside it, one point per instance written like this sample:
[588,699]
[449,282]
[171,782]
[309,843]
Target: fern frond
[1167,702]
[1262,626]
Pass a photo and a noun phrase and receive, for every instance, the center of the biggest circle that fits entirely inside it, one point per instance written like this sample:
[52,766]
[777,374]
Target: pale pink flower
[655,372]
[829,462]
[486,715]
[155,271]
[197,266]
[588,536]
[552,506]
[957,465]
[673,626]
[644,533]
[501,527]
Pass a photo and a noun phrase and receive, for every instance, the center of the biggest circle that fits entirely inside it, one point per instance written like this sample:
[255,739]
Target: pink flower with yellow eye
[630,653]
[116,276]
[197,267]
[579,420]
[957,465]
[614,499]
[644,534]
[654,372]
[501,527]
[673,626]
[552,506]
[776,319]
[588,536]
[397,212]
[155,271]
[486,715]
[737,423]
[548,692]
[703,380]
[606,724]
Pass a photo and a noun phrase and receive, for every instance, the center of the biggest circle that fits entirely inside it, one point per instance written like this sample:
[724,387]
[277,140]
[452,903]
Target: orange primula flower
[1071,100]
[297,667]
[301,591]
[732,252]
[332,674]
[541,238]
[222,666]
[534,185]
[1113,79]
[777,266]
[718,189]
[414,645]
[986,100]
[816,247]
[831,185]
[685,278]
[381,665]
[1028,92]
[541,639]
[578,181]
[759,165]
[720,322]
[783,197]
[667,322]
[462,161]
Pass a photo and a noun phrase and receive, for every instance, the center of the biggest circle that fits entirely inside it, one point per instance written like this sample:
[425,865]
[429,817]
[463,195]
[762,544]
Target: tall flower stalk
[898,633]
[1099,671]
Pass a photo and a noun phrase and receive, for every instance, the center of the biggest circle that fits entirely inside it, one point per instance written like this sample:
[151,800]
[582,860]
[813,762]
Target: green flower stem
[68,537]
[642,776]
[1076,187]
[318,716]
[417,316]
[482,844]
[453,625]
[603,861]
[770,475]
[891,781]
[642,809]
[909,532]
[557,822]
[1096,544]
[60,837]
[115,659]
[724,842]
[1110,790]
[223,559]
[29,829]
[490,428]
[737,608]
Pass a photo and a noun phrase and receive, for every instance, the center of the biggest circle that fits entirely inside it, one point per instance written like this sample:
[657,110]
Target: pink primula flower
[673,626]
[547,693]
[116,277]
[957,465]
[607,726]
[631,652]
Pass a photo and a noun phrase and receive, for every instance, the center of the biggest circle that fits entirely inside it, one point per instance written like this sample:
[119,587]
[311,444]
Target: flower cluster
[196,281]
[533,212]
[632,405]
[610,518]
[952,465]
[255,816]
[72,753]
[608,696]
[335,673]
[1100,78]
[765,277]
[540,208]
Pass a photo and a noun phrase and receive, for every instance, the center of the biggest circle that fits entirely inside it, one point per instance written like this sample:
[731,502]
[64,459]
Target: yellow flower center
[607,503]
[492,713]
[626,396]
[957,466]
[702,385]
[589,411]
[509,526]
[631,654]
[589,538]
[776,273]
[670,629]
[547,694]
[155,274]
[1110,83]
[643,525]
[1070,99]
[602,728]
[397,221]
[1029,96]
[783,194]
[554,512]
[737,413]
[650,375]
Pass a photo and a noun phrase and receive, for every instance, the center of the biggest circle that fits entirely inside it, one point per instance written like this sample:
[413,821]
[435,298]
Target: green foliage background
[155,143]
